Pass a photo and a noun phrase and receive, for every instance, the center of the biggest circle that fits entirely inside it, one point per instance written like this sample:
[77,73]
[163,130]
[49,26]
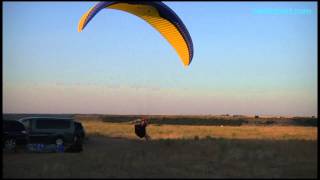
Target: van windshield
[13,126]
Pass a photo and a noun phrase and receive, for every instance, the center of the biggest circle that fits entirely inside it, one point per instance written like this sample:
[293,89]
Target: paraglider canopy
[159,16]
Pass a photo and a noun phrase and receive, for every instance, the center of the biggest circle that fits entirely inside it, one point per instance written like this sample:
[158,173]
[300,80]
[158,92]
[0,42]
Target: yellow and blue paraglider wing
[158,15]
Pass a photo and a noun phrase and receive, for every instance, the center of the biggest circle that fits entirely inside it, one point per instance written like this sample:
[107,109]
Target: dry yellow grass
[125,130]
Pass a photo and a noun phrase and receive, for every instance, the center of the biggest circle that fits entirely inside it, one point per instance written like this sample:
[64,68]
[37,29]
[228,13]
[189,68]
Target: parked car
[14,134]
[50,130]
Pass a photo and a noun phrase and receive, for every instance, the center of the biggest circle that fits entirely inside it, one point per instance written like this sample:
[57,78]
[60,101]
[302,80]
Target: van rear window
[52,124]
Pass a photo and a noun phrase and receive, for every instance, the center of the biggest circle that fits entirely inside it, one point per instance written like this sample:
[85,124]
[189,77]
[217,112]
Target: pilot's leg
[147,137]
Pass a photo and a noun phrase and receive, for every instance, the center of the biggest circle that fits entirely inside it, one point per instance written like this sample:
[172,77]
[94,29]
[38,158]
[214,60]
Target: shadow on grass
[209,157]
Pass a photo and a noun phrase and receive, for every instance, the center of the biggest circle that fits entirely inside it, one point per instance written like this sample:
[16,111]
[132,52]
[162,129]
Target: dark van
[50,130]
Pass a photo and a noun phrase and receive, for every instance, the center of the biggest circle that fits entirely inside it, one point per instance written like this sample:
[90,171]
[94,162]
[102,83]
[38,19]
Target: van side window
[52,124]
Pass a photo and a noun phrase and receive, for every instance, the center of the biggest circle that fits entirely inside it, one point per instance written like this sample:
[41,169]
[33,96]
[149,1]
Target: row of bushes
[305,121]
[216,121]
[189,120]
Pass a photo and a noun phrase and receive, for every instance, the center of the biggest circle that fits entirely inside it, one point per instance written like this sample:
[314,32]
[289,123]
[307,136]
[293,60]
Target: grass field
[180,151]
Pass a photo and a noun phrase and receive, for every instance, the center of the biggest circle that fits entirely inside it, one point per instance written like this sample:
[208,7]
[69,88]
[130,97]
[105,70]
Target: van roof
[25,118]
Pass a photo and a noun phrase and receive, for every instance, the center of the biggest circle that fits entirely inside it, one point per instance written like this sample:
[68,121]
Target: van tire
[10,144]
[59,141]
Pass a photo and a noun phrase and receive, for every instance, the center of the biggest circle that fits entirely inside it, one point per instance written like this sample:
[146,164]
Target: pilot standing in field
[140,128]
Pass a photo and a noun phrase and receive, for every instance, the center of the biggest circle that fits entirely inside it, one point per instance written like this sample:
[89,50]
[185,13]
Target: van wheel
[10,144]
[59,141]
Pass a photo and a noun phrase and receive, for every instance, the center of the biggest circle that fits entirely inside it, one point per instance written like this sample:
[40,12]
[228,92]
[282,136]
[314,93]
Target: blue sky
[244,62]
